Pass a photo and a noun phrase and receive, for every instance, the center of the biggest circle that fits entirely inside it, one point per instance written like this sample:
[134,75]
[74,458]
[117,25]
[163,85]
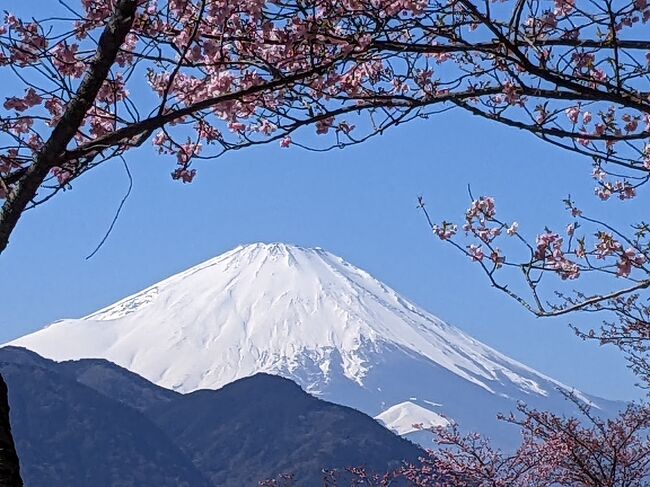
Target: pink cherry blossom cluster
[549,250]
[240,73]
[481,223]
[445,231]
[569,256]
[628,258]
[31,99]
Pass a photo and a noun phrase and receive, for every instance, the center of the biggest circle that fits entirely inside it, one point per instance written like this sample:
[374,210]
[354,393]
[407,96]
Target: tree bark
[9,465]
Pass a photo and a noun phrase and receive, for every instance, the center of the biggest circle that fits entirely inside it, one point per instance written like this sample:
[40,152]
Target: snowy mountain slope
[407,417]
[307,315]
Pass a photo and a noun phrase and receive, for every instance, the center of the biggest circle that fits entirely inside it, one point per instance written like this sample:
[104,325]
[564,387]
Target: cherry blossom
[476,252]
[513,229]
[243,73]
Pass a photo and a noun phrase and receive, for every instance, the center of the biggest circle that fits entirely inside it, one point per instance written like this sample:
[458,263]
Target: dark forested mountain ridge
[90,422]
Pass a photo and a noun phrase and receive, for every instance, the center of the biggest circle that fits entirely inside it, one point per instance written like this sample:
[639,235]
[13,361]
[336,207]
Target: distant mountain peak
[297,312]
[407,417]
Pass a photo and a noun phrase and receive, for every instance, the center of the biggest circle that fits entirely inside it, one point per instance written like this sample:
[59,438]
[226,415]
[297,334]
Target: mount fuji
[308,315]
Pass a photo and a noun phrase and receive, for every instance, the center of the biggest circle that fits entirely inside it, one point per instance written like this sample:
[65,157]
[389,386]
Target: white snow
[406,417]
[431,403]
[302,313]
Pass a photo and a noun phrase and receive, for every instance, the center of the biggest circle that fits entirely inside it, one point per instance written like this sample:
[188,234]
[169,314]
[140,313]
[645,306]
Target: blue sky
[359,203]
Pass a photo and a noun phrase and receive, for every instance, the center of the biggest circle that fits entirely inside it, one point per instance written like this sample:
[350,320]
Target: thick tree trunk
[9,466]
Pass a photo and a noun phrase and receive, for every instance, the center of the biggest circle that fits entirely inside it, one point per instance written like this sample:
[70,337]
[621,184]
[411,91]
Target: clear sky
[359,203]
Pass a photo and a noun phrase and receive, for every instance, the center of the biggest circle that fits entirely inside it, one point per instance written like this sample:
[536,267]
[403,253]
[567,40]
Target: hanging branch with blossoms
[200,78]
[588,254]
[570,255]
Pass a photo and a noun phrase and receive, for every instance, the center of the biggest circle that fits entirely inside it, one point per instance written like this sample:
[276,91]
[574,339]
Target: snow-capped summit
[406,418]
[308,315]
